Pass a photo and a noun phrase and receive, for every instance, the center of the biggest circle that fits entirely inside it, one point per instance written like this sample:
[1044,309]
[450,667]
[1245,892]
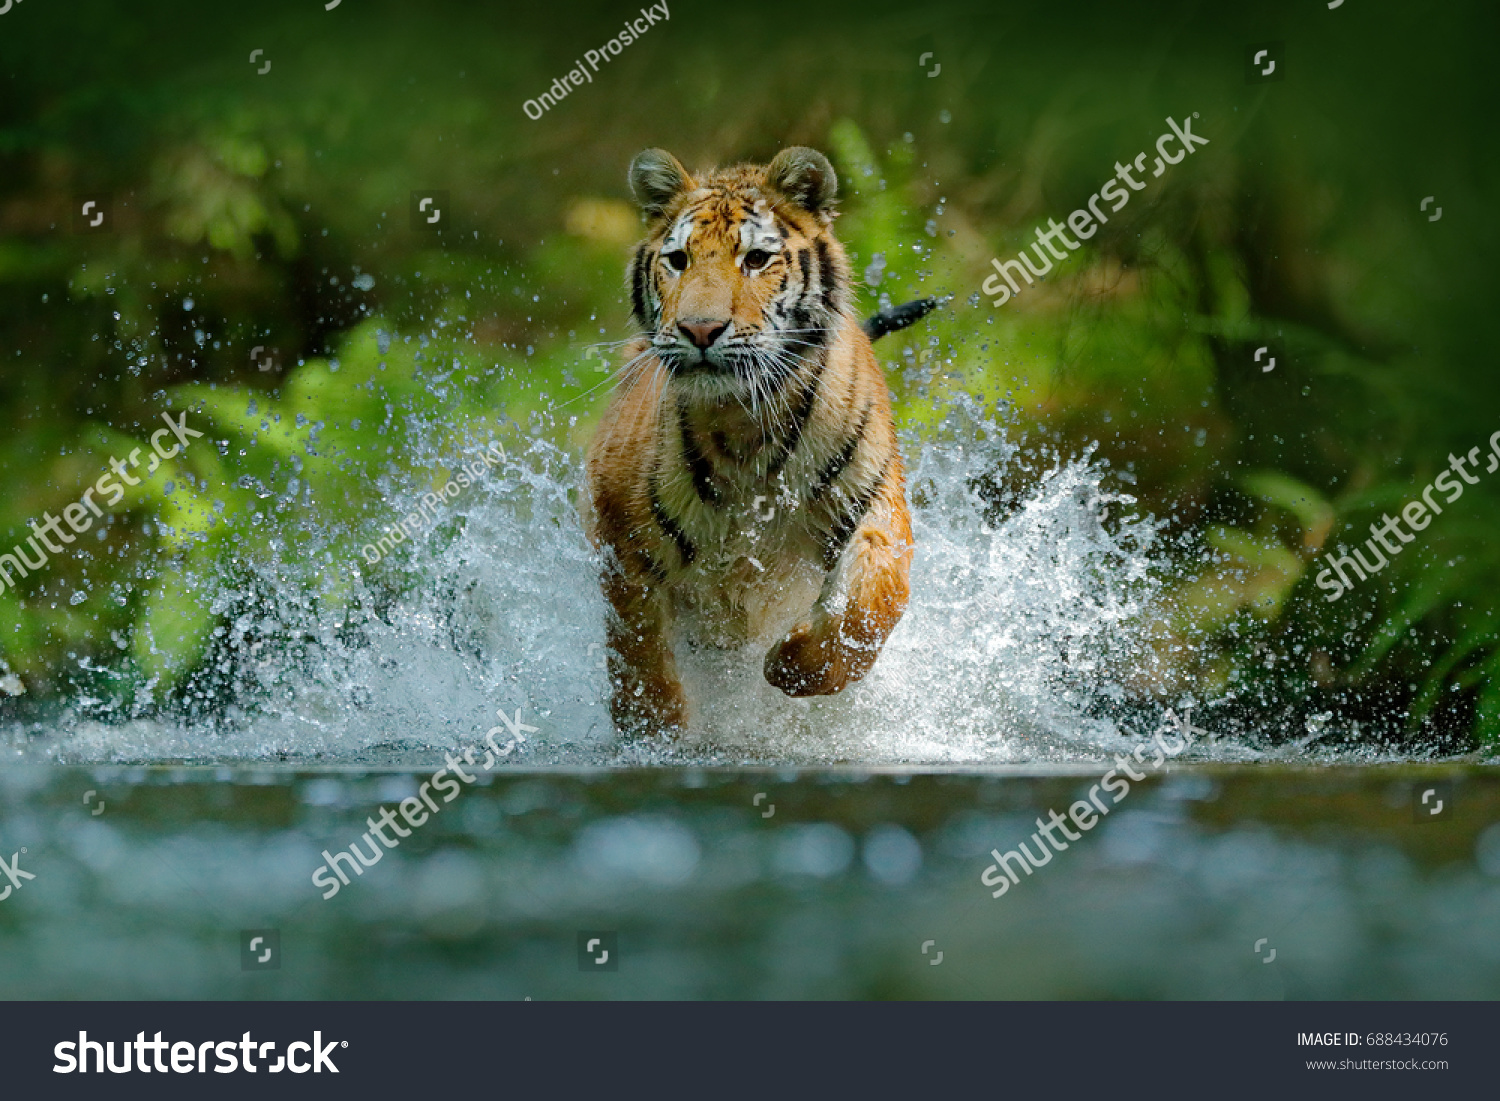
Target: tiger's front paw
[807,663]
[661,711]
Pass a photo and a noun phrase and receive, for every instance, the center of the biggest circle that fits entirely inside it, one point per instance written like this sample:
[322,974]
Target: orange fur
[745,482]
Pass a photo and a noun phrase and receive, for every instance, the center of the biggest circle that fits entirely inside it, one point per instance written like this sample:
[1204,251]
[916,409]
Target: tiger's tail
[894,318]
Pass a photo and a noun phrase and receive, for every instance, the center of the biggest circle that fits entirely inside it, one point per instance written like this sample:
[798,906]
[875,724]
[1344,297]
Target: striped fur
[745,481]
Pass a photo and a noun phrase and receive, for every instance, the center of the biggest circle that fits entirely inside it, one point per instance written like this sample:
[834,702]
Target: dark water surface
[830,886]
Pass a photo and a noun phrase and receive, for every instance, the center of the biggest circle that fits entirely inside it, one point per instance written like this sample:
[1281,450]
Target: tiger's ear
[656,178]
[804,176]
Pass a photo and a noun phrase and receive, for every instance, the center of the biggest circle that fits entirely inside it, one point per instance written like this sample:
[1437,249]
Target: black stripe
[809,344]
[826,276]
[780,377]
[806,276]
[698,465]
[685,546]
[837,537]
[799,422]
[657,571]
[638,285]
[840,462]
[816,338]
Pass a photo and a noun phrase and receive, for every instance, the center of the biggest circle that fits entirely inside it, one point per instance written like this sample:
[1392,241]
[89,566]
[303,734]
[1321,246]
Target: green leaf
[1431,590]
[1487,714]
[1432,685]
[174,629]
[1311,508]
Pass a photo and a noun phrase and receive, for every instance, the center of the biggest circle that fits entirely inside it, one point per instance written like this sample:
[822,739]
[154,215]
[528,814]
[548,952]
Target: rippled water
[828,886]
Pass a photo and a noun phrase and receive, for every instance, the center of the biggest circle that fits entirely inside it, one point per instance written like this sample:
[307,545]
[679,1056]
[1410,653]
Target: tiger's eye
[678,260]
[756,259]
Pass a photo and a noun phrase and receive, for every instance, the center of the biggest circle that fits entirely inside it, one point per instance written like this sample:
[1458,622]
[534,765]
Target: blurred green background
[271,213]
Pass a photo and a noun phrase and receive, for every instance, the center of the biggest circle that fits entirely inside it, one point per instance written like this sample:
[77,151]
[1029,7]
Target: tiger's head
[740,280]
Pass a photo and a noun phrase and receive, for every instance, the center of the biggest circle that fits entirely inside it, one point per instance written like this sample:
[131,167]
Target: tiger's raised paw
[814,663]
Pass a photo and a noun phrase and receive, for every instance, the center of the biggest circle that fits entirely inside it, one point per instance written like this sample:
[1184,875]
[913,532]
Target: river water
[782,848]
[1207,882]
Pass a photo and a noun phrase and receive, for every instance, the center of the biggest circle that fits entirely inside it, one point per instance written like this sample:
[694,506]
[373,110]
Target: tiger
[745,482]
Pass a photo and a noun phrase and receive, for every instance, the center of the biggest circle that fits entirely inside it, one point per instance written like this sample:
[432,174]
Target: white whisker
[617,376]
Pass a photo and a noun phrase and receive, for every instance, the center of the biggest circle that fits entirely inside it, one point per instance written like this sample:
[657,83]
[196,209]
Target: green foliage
[272,213]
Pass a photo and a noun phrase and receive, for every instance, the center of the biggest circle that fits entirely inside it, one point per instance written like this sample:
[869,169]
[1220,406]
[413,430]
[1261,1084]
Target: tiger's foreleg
[646,696]
[863,598]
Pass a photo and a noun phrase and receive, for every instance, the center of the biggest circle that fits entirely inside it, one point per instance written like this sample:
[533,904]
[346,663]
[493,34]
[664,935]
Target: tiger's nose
[702,333]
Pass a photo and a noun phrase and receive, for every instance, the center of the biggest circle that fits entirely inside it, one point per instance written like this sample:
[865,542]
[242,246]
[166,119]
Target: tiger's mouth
[682,361]
[703,379]
[752,374]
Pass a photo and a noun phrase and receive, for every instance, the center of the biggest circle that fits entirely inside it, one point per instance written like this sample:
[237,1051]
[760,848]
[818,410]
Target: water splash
[1020,618]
